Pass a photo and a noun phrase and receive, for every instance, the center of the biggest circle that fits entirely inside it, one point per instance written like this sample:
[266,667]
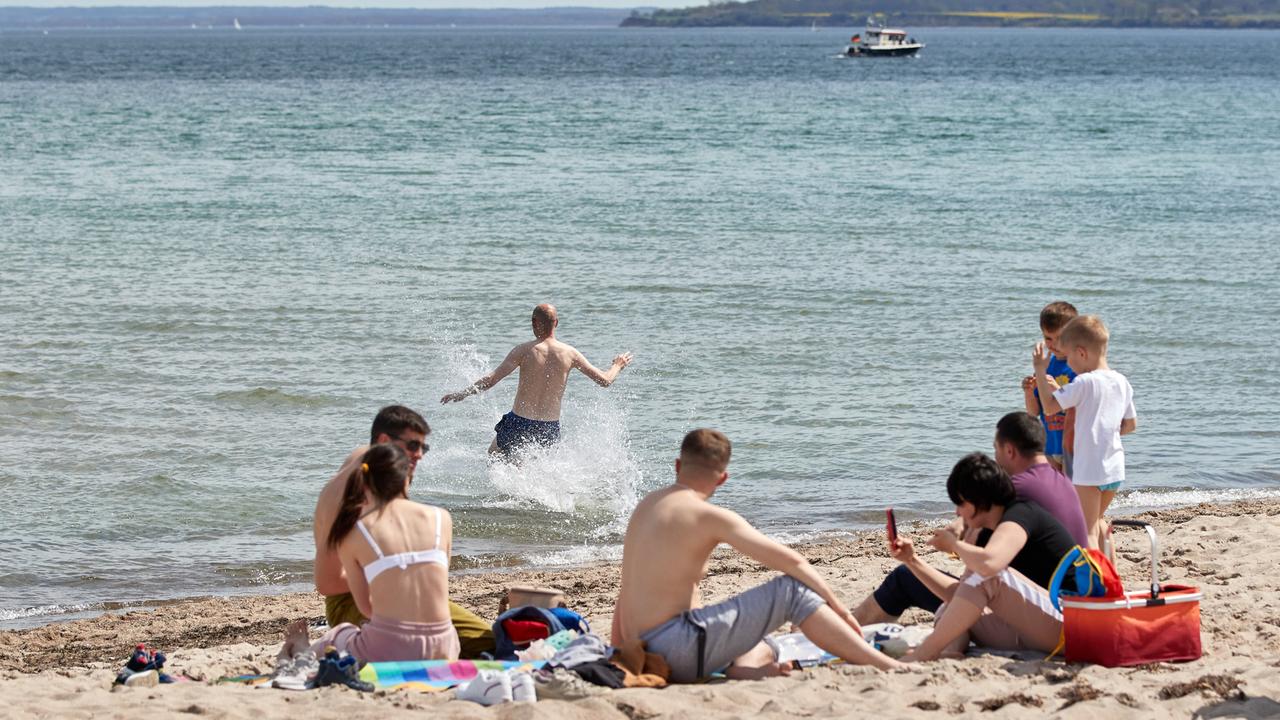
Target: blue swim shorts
[1111,487]
[515,432]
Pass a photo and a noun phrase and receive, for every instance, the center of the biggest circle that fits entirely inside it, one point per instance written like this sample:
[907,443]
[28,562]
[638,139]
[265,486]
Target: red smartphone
[892,524]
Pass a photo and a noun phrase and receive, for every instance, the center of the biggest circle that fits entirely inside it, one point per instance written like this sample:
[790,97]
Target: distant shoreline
[249,17]
[729,14]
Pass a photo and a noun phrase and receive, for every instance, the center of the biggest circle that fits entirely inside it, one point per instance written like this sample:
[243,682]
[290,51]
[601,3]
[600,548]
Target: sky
[450,4]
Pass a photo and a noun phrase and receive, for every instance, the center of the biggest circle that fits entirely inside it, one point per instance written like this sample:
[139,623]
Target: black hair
[381,476]
[1025,432]
[393,420]
[980,480]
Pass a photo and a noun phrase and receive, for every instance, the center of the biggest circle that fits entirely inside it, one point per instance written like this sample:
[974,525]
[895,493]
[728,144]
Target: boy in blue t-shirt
[1053,318]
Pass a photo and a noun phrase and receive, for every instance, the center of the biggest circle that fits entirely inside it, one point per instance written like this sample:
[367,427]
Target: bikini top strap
[438,517]
[372,543]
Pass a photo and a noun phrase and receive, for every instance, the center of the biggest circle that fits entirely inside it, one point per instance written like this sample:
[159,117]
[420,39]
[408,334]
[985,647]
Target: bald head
[544,320]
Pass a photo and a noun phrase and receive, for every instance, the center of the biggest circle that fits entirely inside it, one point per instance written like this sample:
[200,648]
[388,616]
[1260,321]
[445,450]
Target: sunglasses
[412,446]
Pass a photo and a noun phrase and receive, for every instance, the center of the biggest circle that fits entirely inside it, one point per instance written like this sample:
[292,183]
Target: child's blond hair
[1086,331]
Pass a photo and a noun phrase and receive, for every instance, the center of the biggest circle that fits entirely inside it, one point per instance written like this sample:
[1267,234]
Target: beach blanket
[436,675]
[251,680]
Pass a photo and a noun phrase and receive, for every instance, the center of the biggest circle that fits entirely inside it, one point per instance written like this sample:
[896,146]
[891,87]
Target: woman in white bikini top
[395,552]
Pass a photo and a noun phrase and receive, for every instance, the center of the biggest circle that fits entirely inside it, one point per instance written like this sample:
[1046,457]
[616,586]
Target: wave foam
[1158,498]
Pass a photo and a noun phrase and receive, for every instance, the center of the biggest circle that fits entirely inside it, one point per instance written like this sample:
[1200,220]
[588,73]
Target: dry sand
[1230,551]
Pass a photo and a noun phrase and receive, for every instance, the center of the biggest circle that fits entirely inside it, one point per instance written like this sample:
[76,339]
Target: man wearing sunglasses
[400,426]
[544,364]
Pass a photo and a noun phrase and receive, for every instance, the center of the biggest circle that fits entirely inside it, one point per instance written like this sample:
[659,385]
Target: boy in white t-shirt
[1103,401]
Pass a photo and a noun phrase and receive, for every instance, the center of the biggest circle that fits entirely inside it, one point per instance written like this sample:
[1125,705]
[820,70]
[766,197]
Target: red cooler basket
[1159,625]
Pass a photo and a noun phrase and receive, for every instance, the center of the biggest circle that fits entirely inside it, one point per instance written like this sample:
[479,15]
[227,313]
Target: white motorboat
[877,41]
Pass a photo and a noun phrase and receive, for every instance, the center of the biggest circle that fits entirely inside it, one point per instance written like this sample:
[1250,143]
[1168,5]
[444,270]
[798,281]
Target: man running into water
[544,364]
[669,541]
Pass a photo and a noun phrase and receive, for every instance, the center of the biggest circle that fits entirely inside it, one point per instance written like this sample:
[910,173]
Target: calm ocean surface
[221,253]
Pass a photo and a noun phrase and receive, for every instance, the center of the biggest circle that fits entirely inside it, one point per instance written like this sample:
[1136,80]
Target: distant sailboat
[236,22]
[814,26]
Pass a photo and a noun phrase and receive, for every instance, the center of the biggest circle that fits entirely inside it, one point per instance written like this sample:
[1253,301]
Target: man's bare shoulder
[521,351]
[564,349]
[676,501]
[337,483]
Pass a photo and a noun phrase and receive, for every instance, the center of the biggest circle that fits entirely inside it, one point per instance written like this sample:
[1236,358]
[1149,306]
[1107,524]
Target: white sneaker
[489,687]
[146,678]
[297,672]
[522,687]
[561,684]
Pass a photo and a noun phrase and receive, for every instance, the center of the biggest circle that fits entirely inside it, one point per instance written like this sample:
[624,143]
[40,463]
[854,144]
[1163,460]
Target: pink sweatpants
[381,640]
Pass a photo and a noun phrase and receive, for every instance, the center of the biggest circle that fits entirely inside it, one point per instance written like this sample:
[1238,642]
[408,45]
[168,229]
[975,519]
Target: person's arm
[739,534]
[446,532]
[1129,422]
[1005,543]
[508,365]
[603,378]
[1045,384]
[1029,395]
[939,583]
[359,585]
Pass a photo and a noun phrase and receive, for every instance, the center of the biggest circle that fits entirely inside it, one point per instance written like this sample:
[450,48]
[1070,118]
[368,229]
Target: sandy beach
[66,669]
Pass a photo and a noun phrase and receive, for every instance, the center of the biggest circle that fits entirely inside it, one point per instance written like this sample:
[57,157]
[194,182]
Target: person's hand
[1040,359]
[453,397]
[1029,384]
[902,549]
[622,360]
[945,540]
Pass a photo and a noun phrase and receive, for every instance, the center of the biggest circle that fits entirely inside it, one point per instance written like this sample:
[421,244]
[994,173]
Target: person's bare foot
[296,639]
[777,669]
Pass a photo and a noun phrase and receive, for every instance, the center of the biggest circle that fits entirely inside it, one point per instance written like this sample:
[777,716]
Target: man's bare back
[544,365]
[544,372]
[329,577]
[670,537]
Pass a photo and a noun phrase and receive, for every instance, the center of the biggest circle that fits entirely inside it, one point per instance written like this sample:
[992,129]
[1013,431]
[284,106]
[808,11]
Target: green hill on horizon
[1095,13]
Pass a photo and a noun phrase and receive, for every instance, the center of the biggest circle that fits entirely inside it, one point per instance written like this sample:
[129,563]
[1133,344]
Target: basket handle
[1155,551]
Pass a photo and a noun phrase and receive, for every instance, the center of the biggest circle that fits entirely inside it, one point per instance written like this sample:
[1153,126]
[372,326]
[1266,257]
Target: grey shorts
[697,643]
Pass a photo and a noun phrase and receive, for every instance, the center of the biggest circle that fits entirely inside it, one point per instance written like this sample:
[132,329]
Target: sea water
[221,253]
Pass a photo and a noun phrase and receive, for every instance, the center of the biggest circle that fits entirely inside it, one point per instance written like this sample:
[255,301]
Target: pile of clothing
[584,667]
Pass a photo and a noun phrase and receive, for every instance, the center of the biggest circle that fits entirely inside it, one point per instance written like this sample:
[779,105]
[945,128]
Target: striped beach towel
[435,675]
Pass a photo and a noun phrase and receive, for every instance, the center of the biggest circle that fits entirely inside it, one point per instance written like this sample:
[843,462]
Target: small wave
[808,537]
[261,396]
[50,344]
[14,375]
[260,575]
[47,610]
[580,555]
[1145,499]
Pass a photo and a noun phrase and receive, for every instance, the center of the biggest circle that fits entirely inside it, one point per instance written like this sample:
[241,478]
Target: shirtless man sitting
[400,426]
[544,364]
[670,539]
